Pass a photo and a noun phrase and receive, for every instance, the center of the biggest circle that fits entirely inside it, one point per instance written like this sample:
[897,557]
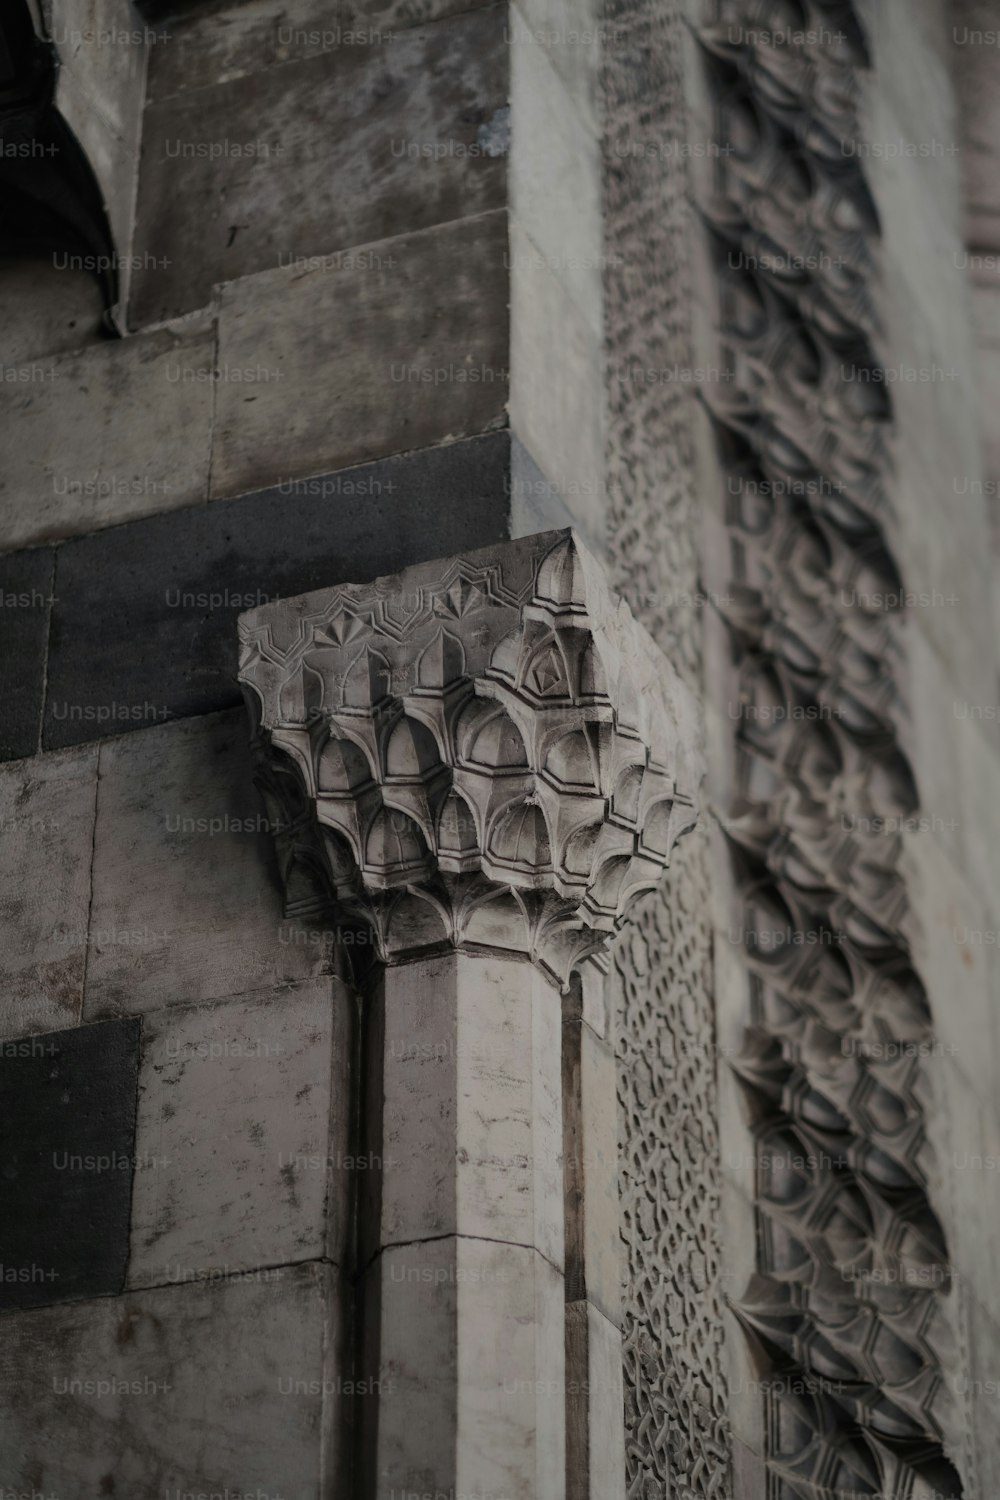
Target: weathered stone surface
[595,1439]
[185,902]
[233,1136]
[25,601]
[230,41]
[573,34]
[591,1172]
[470,1104]
[161,1392]
[967,1136]
[47,310]
[396,347]
[975,66]
[979,1388]
[46,826]
[145,627]
[557,405]
[104,434]
[340,149]
[67,1129]
[100,86]
[555,174]
[472,1372]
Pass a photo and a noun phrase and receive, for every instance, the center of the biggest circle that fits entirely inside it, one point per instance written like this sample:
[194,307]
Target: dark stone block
[25,600]
[317,156]
[67,1141]
[144,629]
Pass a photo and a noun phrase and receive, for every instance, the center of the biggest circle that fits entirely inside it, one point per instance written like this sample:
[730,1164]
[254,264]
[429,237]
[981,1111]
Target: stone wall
[357,323]
[394,283]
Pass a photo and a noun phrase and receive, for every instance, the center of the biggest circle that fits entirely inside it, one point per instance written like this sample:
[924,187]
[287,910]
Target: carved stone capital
[482,752]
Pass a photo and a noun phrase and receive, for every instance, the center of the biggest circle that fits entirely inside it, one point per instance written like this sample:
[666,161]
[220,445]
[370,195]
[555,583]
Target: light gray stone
[593,1229]
[105,434]
[595,1437]
[186,906]
[557,404]
[100,87]
[231,41]
[967,1137]
[169,1390]
[975,67]
[979,1386]
[555,175]
[572,33]
[472,1124]
[320,155]
[472,1372]
[400,345]
[237,1134]
[47,310]
[102,46]
[46,831]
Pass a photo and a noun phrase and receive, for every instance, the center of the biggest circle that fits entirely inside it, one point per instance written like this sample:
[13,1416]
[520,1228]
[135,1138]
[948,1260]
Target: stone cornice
[486,751]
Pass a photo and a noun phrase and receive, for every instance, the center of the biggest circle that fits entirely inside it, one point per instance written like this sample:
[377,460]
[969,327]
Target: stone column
[475,768]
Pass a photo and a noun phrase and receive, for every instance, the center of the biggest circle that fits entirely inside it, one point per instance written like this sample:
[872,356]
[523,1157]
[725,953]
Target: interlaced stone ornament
[487,752]
[848,1314]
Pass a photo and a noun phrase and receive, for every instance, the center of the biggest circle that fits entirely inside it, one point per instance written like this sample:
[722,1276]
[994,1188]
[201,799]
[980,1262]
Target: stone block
[99,91]
[979,1386]
[185,899]
[231,41]
[952,955]
[738,1234]
[557,406]
[555,175]
[396,347]
[165,1391]
[933,748]
[26,580]
[47,829]
[145,627]
[750,1478]
[595,1397]
[237,1140]
[67,1130]
[472,1373]
[104,434]
[470,1098]
[47,309]
[100,44]
[978,741]
[572,34]
[975,68]
[535,503]
[591,1171]
[332,151]
[967,1136]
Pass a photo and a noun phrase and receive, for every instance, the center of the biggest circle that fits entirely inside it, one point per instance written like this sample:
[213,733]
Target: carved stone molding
[848,1314]
[485,752]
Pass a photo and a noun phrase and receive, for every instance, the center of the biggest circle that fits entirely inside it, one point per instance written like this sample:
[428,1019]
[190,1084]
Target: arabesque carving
[487,751]
[848,1313]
